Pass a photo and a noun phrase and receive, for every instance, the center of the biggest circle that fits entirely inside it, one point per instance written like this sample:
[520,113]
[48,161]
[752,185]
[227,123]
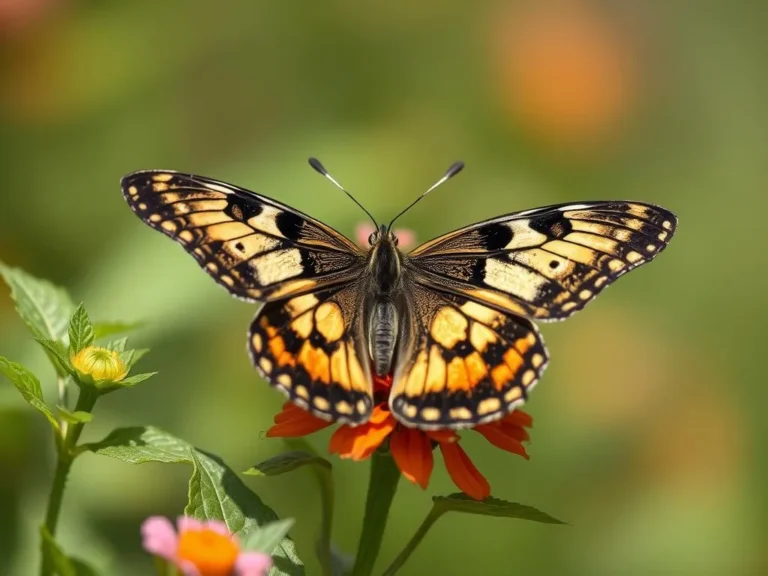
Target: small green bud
[99,366]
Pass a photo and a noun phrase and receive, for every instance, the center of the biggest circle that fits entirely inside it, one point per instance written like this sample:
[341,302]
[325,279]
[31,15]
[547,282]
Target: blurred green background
[650,420]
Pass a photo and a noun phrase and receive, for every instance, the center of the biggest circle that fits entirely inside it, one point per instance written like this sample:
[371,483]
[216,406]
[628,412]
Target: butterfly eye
[395,240]
[372,238]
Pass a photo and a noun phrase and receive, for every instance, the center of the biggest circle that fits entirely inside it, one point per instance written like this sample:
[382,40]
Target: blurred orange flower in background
[411,448]
[565,70]
[16,15]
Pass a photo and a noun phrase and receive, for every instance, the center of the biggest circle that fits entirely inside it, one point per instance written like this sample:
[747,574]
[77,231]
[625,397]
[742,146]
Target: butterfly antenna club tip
[318,166]
[453,169]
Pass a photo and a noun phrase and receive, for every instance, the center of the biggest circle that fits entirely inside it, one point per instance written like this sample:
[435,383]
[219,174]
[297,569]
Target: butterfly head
[383,234]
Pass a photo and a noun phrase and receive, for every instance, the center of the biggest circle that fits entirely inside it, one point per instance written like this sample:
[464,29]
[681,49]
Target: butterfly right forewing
[545,263]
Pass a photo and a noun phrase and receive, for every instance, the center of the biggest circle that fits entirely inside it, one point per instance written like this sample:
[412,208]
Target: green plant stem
[382,486]
[415,540]
[64,457]
[326,504]
[61,384]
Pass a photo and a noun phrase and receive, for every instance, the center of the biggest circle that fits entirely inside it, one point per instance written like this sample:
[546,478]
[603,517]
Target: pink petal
[252,564]
[187,523]
[158,537]
[188,568]
[217,526]
[405,238]
[362,231]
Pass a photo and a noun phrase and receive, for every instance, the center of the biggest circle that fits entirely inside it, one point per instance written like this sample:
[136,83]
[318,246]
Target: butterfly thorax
[385,266]
[384,262]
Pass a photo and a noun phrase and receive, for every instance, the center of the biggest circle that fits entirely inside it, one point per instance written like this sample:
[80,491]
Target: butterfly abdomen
[382,335]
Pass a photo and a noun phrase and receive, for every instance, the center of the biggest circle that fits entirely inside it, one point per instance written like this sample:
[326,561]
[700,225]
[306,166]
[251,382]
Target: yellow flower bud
[95,365]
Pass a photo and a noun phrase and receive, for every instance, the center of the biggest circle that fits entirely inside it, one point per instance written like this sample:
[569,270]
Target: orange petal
[380,414]
[412,451]
[367,445]
[289,411]
[519,418]
[463,472]
[513,430]
[359,442]
[442,435]
[293,421]
[343,439]
[497,435]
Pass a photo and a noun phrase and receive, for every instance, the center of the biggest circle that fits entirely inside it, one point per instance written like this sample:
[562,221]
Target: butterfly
[452,321]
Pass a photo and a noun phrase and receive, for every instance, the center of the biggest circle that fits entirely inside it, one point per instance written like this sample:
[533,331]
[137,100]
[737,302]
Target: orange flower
[411,448]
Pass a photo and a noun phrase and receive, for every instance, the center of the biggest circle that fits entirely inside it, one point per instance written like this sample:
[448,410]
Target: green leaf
[462,503]
[268,537]
[137,445]
[43,307]
[58,354]
[77,417]
[29,386]
[80,330]
[215,491]
[62,564]
[491,507]
[131,357]
[286,462]
[104,329]
[118,345]
[133,380]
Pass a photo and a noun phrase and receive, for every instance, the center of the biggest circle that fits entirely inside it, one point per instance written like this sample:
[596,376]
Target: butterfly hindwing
[255,247]
[462,363]
[545,263]
[311,348]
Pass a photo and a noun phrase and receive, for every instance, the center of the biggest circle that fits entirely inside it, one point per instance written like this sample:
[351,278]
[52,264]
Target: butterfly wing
[462,363]
[312,348]
[256,247]
[545,263]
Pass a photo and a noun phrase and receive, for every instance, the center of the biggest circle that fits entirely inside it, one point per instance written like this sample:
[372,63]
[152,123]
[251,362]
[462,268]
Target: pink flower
[201,548]
[406,238]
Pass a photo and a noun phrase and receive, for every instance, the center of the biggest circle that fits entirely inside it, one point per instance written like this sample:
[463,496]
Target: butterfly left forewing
[545,263]
[462,363]
[312,348]
[255,247]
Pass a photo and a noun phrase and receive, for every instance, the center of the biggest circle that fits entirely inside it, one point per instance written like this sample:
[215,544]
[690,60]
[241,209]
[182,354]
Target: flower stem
[64,458]
[326,503]
[382,486]
[415,540]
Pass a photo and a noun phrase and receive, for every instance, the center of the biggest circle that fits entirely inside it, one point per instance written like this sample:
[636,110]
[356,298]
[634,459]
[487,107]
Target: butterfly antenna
[454,169]
[315,163]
